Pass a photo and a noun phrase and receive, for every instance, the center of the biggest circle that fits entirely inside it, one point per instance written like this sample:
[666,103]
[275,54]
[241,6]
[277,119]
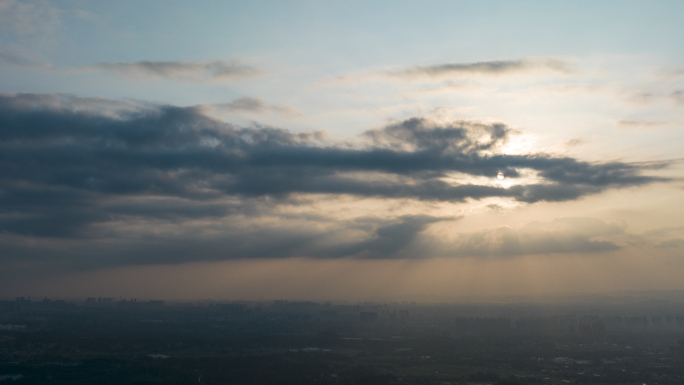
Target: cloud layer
[83,170]
[28,20]
[495,67]
[567,235]
[179,70]
[253,106]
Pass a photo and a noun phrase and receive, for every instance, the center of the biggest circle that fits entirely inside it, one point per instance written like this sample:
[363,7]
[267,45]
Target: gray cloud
[180,70]
[37,19]
[235,239]
[391,240]
[175,151]
[576,142]
[88,170]
[243,104]
[252,105]
[677,96]
[663,231]
[643,97]
[639,123]
[671,243]
[566,235]
[496,67]
[646,97]
[456,70]
[20,58]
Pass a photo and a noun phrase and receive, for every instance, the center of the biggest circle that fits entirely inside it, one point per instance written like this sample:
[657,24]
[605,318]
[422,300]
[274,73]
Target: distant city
[117,340]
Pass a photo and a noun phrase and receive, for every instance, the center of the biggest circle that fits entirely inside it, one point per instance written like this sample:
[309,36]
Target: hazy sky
[340,150]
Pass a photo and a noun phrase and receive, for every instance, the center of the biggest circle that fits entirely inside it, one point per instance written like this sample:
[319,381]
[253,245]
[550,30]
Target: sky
[383,150]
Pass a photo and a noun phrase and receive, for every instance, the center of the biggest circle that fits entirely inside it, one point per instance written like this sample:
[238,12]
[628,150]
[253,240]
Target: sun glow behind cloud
[525,177]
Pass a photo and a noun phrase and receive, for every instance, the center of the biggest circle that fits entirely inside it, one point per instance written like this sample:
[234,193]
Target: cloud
[677,96]
[29,20]
[447,71]
[576,142]
[178,151]
[571,88]
[391,240]
[141,146]
[671,243]
[240,237]
[643,97]
[179,70]
[663,231]
[639,123]
[142,183]
[496,67]
[419,134]
[21,57]
[566,235]
[450,86]
[252,105]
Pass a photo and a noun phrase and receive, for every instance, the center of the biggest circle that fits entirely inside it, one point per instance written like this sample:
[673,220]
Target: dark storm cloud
[47,212]
[496,67]
[73,168]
